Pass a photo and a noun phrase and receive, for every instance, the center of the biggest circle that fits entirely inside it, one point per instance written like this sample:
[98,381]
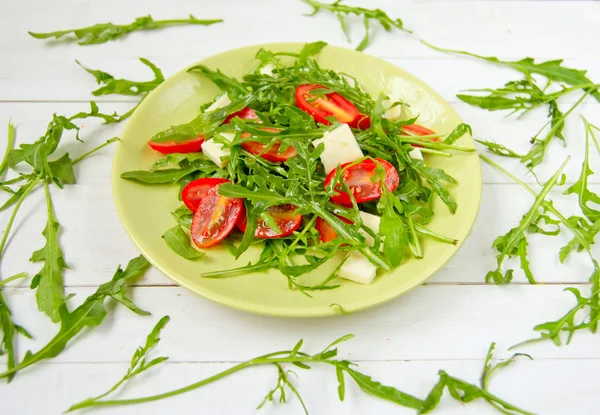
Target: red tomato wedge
[327,232]
[325,106]
[193,145]
[244,114]
[285,218]
[362,122]
[273,153]
[194,191]
[215,218]
[359,179]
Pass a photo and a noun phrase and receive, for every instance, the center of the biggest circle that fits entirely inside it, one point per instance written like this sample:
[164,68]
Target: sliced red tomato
[327,232]
[285,218]
[359,179]
[194,191]
[362,122]
[215,218]
[192,145]
[325,106]
[244,114]
[272,154]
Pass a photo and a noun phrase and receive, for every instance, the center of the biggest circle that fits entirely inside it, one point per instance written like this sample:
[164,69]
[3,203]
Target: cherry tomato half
[285,218]
[271,154]
[418,129]
[325,106]
[362,122]
[359,179]
[192,145]
[327,232]
[215,218]
[244,114]
[194,191]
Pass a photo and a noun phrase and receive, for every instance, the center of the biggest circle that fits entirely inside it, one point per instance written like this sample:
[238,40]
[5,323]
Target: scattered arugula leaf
[10,142]
[465,392]
[89,314]
[514,243]
[341,10]
[137,365]
[111,85]
[105,32]
[48,282]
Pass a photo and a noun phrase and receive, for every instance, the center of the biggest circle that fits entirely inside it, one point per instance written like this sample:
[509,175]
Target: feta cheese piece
[392,113]
[267,69]
[220,102]
[371,222]
[215,151]
[415,153]
[340,147]
[357,268]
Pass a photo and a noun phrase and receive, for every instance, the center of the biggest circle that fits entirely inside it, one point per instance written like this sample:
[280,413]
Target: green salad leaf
[111,85]
[90,313]
[106,32]
[342,10]
[179,242]
[48,282]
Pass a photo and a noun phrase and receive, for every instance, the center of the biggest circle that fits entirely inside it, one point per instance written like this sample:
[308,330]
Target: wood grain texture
[446,324]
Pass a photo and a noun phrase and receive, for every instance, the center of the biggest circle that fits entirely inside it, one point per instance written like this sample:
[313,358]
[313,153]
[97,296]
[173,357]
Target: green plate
[145,210]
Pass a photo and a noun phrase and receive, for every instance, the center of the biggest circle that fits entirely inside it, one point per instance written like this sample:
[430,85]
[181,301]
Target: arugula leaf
[499,149]
[179,242]
[552,70]
[231,86]
[341,10]
[138,362]
[8,329]
[392,228]
[10,142]
[166,176]
[110,85]
[311,49]
[89,314]
[460,130]
[105,32]
[465,392]
[514,243]
[49,280]
[580,187]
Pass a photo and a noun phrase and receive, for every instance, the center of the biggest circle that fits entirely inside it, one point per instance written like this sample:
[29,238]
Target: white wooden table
[446,324]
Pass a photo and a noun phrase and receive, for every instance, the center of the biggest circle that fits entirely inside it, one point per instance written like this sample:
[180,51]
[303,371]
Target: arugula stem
[548,206]
[10,142]
[14,277]
[435,144]
[426,232]
[92,151]
[434,152]
[14,213]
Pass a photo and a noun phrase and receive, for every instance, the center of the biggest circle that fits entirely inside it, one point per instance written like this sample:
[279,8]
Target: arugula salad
[301,159]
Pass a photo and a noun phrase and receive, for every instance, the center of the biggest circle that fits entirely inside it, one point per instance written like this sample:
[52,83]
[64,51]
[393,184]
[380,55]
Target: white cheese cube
[392,113]
[357,268]
[215,151]
[415,153]
[371,222]
[340,147]
[220,102]
[267,69]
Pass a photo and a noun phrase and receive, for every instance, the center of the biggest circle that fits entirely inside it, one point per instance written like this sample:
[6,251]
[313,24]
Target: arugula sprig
[111,85]
[138,363]
[106,32]
[524,95]
[459,389]
[514,243]
[90,313]
[342,10]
